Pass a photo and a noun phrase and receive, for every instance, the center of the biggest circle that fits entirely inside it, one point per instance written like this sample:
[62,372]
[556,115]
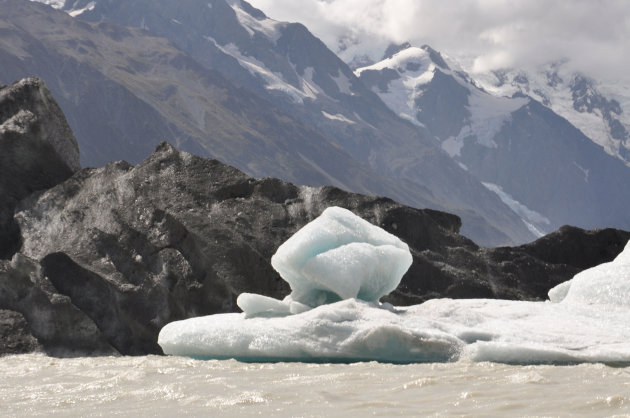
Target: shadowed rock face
[36,316]
[37,150]
[125,250]
[15,336]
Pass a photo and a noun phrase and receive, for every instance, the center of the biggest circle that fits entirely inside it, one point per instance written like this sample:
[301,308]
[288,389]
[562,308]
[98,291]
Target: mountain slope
[126,90]
[539,164]
[600,110]
[288,66]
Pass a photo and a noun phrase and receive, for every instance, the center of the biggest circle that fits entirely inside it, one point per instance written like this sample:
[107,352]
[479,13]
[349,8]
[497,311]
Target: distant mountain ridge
[506,149]
[589,105]
[410,164]
[600,108]
[125,91]
[539,164]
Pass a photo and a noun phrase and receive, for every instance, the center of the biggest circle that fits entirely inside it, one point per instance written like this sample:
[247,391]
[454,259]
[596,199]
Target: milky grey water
[36,385]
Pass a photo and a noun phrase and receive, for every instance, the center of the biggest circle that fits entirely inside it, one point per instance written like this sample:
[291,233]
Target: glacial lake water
[37,385]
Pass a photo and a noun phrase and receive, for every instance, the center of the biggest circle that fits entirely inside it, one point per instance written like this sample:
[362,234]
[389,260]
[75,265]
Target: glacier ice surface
[587,319]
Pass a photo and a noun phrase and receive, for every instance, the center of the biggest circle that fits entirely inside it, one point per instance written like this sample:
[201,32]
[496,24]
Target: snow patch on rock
[268,27]
[337,117]
[532,219]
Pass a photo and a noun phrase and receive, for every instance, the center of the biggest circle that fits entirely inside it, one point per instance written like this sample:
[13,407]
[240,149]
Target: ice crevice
[339,266]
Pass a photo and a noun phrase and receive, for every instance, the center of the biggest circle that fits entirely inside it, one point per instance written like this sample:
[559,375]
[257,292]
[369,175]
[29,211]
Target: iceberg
[335,257]
[339,266]
[341,256]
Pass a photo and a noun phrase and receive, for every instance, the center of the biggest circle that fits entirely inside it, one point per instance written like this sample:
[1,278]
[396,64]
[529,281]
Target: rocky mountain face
[539,164]
[110,255]
[599,109]
[38,150]
[125,91]
[290,69]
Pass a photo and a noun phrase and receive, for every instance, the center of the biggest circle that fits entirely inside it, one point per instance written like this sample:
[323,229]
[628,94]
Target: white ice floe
[339,256]
[606,284]
[348,330]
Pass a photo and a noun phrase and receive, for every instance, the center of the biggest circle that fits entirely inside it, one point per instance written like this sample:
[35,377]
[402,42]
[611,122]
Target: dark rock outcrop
[15,336]
[60,328]
[37,150]
[124,250]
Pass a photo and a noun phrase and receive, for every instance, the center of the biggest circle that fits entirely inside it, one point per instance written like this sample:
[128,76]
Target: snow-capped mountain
[600,111]
[539,164]
[288,66]
[600,108]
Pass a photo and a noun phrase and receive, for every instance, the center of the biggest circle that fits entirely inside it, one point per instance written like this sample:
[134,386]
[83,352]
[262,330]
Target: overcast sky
[594,35]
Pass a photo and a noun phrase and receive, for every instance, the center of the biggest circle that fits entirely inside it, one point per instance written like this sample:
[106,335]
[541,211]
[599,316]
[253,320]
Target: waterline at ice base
[340,265]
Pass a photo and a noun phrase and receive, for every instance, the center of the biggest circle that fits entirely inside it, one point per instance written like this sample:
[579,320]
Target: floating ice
[338,256]
[341,256]
[606,284]
[349,330]
[436,331]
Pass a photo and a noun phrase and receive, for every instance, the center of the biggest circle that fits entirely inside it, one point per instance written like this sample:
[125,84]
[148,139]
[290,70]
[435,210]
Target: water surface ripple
[37,385]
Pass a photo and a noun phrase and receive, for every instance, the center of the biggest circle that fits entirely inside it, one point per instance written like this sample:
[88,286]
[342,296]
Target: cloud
[593,36]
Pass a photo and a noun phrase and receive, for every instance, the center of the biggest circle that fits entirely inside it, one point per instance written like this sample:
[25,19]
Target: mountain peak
[248,8]
[436,57]
[393,49]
